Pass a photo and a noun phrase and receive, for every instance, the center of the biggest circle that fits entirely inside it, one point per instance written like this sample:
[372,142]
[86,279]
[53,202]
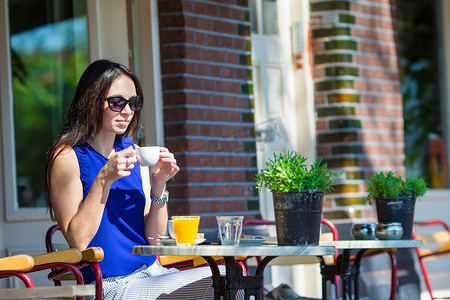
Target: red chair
[16,266]
[21,265]
[66,260]
[436,243]
[89,257]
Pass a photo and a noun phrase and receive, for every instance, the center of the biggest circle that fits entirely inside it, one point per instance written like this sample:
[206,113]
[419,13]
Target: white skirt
[158,282]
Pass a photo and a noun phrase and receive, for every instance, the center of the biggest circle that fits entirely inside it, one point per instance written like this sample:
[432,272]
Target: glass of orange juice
[185,229]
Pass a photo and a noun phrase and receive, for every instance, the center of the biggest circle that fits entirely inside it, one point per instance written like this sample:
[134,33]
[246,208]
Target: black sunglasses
[118,103]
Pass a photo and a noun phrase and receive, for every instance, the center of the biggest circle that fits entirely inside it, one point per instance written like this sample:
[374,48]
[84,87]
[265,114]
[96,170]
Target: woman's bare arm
[79,220]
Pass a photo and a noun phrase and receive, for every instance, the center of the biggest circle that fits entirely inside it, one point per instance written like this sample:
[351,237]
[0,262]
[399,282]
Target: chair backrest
[90,256]
[21,265]
[50,247]
[21,262]
[331,226]
[93,254]
[435,235]
[16,266]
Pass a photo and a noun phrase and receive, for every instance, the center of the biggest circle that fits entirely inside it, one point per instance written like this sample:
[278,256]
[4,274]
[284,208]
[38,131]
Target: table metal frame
[226,286]
[348,271]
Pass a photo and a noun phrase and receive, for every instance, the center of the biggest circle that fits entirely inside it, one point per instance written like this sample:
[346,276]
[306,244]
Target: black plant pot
[400,209]
[298,217]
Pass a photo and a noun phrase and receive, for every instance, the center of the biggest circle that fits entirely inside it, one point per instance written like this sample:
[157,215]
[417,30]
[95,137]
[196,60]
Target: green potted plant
[395,198]
[298,192]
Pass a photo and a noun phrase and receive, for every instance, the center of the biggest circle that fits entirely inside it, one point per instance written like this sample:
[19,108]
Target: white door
[284,110]
[274,101]
[283,86]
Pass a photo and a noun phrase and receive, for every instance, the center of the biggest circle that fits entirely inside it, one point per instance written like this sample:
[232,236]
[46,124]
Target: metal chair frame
[56,273]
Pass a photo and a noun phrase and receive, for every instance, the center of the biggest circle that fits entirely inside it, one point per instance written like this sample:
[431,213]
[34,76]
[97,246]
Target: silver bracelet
[164,198]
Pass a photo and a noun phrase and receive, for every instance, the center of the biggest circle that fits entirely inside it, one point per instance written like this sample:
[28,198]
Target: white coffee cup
[170,229]
[148,156]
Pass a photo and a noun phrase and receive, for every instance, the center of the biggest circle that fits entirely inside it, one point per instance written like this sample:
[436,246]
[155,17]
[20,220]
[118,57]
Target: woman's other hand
[165,168]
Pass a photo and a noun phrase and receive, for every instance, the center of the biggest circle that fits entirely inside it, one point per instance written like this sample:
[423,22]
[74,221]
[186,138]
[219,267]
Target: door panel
[271,84]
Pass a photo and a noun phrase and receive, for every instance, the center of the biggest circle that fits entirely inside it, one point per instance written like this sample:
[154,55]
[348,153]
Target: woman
[101,196]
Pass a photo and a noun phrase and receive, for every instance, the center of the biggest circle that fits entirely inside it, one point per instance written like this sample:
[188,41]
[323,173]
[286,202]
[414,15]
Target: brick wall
[357,92]
[207,102]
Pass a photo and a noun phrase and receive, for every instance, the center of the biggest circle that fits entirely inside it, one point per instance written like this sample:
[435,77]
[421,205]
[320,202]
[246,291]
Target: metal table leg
[328,273]
[349,273]
[356,271]
[217,279]
[226,287]
[344,271]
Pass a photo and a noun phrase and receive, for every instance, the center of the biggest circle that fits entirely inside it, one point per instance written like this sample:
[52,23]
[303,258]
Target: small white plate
[199,241]
[173,242]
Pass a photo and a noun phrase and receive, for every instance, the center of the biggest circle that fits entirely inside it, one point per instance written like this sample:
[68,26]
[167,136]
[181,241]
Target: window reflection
[253,15]
[423,108]
[264,12]
[49,51]
[269,15]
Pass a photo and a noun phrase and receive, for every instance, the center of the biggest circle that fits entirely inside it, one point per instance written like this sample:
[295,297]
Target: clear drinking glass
[230,229]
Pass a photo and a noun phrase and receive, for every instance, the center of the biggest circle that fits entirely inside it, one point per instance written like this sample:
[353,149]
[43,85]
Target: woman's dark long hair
[84,118]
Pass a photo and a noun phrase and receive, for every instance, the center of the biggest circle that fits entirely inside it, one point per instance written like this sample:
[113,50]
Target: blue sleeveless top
[122,225]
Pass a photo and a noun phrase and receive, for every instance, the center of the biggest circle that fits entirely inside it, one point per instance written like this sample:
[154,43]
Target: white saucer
[173,242]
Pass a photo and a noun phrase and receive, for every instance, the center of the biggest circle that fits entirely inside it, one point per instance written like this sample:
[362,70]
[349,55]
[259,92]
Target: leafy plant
[389,185]
[289,172]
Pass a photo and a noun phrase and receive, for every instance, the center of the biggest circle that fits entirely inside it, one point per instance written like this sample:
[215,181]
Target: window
[49,52]
[264,17]
[424,104]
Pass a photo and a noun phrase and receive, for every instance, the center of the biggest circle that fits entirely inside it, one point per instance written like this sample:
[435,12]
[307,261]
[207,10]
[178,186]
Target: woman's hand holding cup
[162,163]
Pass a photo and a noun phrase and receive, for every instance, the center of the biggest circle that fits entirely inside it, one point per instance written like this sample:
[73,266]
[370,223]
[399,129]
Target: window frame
[12,211]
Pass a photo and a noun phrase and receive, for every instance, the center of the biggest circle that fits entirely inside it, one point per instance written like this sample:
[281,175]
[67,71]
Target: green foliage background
[44,82]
